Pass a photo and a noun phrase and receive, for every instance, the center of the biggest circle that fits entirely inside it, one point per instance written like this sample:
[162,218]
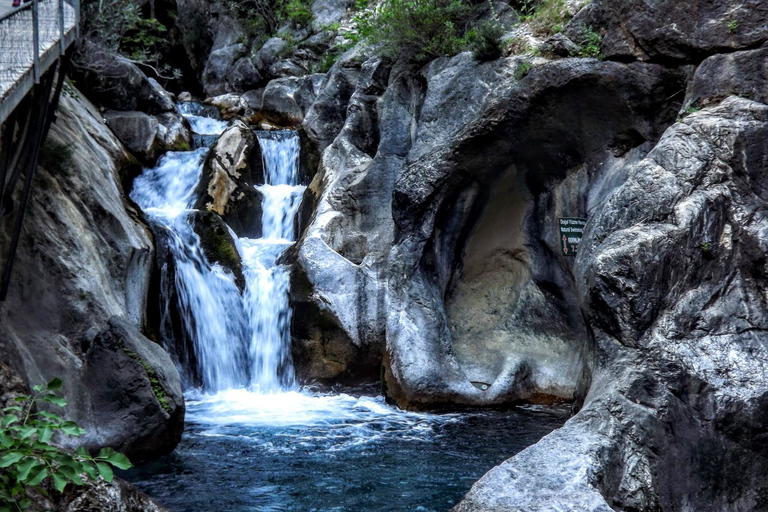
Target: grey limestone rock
[669,275]
[670,30]
[85,258]
[231,170]
[114,82]
[136,397]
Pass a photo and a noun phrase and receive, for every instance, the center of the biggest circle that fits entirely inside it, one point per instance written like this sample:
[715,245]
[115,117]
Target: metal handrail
[32,37]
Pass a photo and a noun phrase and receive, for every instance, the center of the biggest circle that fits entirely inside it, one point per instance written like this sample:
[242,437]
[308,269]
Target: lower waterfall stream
[256,441]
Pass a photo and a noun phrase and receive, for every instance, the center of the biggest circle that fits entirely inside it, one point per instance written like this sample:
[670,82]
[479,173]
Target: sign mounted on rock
[571,230]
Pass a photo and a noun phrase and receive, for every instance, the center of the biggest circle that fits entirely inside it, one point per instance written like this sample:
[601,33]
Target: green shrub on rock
[28,459]
[418,29]
[487,44]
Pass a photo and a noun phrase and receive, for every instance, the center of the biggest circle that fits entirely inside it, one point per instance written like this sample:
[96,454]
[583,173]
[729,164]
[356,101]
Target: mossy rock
[218,244]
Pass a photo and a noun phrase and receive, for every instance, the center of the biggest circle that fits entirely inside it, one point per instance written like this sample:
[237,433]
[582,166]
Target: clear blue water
[296,451]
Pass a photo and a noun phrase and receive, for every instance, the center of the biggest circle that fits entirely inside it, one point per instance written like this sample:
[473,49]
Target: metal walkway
[32,38]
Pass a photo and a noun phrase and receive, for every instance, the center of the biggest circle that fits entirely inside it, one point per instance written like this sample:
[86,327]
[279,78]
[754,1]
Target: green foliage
[522,70]
[262,18]
[733,26]
[418,29]
[117,26]
[591,44]
[28,460]
[107,21]
[706,247]
[546,17]
[298,12]
[145,40]
[487,44]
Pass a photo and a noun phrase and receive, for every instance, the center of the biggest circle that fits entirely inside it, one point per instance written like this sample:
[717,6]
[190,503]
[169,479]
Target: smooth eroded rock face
[671,277]
[136,396]
[84,257]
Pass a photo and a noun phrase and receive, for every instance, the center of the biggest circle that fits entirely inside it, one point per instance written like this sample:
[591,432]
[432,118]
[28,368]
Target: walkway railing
[32,37]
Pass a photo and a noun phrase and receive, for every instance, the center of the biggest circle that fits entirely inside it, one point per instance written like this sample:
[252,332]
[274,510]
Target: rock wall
[78,292]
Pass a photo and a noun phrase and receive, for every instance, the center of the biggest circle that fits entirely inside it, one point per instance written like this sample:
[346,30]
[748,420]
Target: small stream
[256,441]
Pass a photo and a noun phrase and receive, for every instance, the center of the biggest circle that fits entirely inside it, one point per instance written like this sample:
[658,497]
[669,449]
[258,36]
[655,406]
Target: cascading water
[238,341]
[250,429]
[266,295]
[209,301]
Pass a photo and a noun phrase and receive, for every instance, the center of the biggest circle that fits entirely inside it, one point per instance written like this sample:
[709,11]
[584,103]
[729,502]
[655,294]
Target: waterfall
[234,340]
[266,294]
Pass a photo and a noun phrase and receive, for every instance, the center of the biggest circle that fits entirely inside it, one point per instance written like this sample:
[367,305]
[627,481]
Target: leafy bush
[28,459]
[487,44]
[262,18]
[418,29]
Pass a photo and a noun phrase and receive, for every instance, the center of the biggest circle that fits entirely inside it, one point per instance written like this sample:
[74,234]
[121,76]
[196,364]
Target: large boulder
[670,276]
[147,137]
[136,396]
[114,82]
[285,101]
[84,258]
[230,173]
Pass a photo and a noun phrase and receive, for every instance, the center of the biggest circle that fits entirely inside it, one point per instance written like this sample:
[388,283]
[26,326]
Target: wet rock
[230,105]
[286,100]
[173,132]
[147,137]
[218,244]
[230,172]
[136,394]
[118,496]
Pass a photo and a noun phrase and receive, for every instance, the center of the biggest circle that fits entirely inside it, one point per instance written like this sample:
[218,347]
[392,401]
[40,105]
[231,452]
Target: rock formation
[78,293]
